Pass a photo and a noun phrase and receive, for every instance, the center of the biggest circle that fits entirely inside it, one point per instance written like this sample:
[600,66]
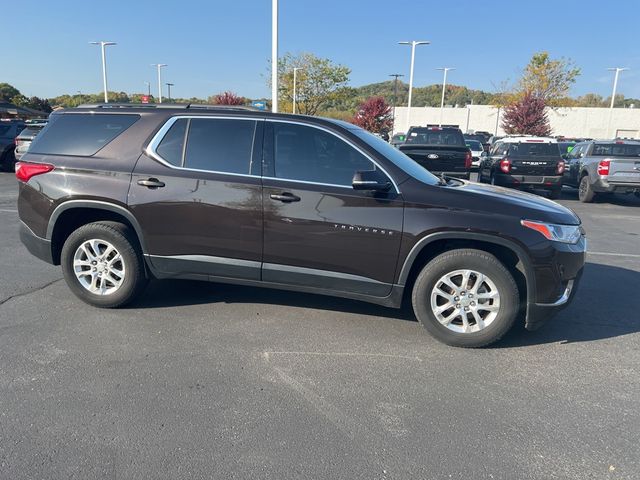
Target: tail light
[505,165]
[468,159]
[560,167]
[15,140]
[603,167]
[26,170]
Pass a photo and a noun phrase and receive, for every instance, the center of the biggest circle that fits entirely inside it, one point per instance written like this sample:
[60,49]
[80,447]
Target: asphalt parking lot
[212,381]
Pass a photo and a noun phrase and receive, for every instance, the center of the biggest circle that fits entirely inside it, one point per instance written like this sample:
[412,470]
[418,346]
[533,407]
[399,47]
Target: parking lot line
[8,211]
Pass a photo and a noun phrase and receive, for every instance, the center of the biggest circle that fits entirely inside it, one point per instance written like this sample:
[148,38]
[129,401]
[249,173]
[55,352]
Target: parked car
[24,139]
[599,167]
[398,139]
[441,150]
[9,130]
[476,150]
[237,195]
[524,162]
[480,137]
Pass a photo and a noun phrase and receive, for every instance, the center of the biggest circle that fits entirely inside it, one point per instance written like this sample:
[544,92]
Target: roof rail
[168,105]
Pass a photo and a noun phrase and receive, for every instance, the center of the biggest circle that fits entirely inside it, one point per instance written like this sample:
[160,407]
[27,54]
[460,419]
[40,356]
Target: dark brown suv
[119,194]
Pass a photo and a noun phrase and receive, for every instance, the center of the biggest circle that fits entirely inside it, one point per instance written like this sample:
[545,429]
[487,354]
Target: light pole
[613,94]
[169,85]
[444,87]
[159,66]
[413,44]
[104,66]
[148,84]
[395,98]
[295,77]
[274,56]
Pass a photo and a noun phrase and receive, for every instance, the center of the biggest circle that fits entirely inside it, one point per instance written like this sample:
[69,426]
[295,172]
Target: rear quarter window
[80,134]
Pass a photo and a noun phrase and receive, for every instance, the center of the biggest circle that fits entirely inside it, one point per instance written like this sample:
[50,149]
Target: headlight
[554,232]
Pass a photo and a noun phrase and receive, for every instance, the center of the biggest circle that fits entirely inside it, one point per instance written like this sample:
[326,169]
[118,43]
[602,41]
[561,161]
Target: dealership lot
[200,380]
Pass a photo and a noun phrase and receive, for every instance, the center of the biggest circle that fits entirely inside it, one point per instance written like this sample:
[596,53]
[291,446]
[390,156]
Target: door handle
[285,197]
[151,183]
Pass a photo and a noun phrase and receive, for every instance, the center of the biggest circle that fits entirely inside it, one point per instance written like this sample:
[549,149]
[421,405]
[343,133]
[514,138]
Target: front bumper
[37,246]
[534,181]
[556,281]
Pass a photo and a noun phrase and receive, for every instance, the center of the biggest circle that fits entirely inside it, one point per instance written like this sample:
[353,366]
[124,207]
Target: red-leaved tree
[228,98]
[526,116]
[374,115]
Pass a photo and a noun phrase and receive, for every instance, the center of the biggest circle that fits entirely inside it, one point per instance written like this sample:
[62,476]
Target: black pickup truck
[441,150]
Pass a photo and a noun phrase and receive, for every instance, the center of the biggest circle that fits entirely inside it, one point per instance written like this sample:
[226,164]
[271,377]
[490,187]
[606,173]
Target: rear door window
[172,145]
[80,134]
[220,145]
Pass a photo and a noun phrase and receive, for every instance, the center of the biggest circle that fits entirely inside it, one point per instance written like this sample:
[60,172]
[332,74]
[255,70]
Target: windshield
[473,144]
[533,149]
[395,156]
[428,136]
[616,150]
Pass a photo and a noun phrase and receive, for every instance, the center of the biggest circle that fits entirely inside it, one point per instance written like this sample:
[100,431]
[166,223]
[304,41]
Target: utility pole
[104,66]
[295,73]
[444,86]
[413,44]
[148,84]
[613,95]
[159,66]
[274,56]
[395,97]
[169,85]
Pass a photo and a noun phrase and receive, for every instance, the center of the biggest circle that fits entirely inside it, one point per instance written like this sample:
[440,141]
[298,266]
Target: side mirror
[484,154]
[369,180]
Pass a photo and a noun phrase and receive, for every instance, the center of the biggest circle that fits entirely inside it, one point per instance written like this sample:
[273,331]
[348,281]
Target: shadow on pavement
[606,305]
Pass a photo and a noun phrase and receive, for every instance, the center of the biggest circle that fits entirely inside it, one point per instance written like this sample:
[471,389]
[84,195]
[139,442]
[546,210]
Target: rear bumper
[540,181]
[604,186]
[37,246]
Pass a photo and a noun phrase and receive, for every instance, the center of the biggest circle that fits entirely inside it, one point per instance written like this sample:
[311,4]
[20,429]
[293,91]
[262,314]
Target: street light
[169,85]
[413,44]
[444,86]
[613,94]
[104,66]
[159,66]
[395,97]
[274,56]
[295,73]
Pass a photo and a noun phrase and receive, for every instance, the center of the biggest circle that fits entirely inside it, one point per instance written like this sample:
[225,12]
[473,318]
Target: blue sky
[211,46]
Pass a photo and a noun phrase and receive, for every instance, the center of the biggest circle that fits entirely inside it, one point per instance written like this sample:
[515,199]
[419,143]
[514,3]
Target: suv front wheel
[466,298]
[102,264]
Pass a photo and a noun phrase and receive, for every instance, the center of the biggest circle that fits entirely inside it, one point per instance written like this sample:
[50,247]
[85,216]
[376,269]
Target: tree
[374,115]
[8,92]
[526,116]
[319,82]
[227,98]
[547,79]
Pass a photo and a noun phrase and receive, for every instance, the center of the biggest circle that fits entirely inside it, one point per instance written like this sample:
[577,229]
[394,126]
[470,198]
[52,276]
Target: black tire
[586,194]
[554,193]
[7,161]
[478,261]
[123,239]
[493,180]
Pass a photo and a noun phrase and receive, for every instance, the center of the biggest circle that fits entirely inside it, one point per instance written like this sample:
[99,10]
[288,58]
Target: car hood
[489,199]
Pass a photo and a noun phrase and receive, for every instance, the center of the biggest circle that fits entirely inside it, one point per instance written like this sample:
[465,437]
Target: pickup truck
[441,150]
[600,167]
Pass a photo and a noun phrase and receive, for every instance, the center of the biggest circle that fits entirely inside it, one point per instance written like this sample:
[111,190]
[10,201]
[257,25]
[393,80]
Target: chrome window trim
[150,150]
[347,141]
[160,134]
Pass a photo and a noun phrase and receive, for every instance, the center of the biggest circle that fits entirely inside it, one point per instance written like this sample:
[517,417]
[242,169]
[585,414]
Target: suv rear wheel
[102,264]
[586,193]
[466,298]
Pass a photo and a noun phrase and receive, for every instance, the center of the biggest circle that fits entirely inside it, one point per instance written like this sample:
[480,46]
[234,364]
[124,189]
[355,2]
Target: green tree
[8,92]
[319,83]
[548,79]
